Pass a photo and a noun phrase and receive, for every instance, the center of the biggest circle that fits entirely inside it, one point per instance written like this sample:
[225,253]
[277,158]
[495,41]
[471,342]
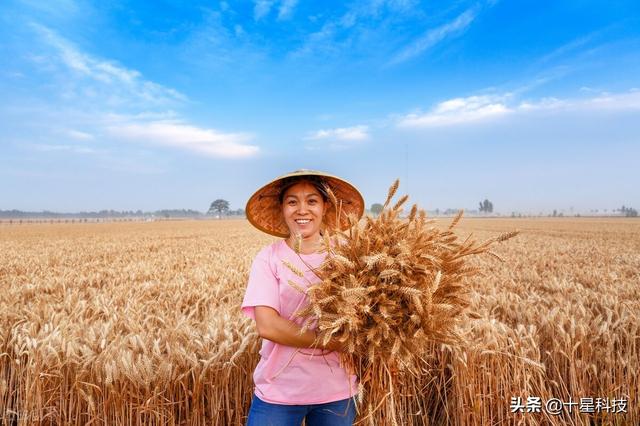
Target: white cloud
[66,148]
[261,9]
[126,83]
[355,133]
[475,109]
[364,25]
[434,36]
[568,48]
[78,135]
[210,142]
[616,101]
[111,103]
[337,139]
[624,101]
[319,41]
[324,117]
[458,111]
[58,9]
[286,9]
[239,31]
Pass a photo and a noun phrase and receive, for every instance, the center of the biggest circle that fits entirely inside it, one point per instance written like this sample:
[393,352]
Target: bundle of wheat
[389,288]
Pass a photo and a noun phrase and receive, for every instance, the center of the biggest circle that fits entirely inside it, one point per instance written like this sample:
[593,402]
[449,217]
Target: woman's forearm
[272,326]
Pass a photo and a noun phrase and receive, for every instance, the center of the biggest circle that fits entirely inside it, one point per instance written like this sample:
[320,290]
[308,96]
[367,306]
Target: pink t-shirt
[287,375]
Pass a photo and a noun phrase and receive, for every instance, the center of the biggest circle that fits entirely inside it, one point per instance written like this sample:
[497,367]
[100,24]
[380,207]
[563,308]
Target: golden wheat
[558,318]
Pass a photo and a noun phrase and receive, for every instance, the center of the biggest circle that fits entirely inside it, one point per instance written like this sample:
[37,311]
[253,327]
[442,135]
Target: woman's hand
[335,345]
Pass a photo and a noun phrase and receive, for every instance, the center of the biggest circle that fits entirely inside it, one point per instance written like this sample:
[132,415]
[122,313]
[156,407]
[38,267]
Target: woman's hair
[318,183]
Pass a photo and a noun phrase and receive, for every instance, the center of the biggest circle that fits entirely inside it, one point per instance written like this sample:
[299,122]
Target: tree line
[109,214]
[221,208]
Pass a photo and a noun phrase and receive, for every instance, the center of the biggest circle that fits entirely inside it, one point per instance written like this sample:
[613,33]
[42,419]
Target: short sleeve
[262,288]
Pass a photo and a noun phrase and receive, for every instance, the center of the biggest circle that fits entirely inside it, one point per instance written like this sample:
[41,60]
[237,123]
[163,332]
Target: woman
[296,379]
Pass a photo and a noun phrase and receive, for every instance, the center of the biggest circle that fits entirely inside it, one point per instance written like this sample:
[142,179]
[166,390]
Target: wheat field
[139,323]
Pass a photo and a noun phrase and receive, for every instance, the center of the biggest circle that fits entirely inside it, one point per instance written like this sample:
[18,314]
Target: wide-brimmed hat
[265,212]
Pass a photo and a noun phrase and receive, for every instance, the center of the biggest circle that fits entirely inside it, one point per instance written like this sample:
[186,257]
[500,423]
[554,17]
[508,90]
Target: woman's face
[303,209]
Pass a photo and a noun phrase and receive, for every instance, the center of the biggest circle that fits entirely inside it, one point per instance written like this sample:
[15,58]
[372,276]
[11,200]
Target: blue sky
[170,104]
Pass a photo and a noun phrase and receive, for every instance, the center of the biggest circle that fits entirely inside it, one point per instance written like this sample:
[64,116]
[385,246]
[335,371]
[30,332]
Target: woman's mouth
[302,221]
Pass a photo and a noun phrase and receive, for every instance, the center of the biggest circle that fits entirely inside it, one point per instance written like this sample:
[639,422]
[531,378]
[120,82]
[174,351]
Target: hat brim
[263,209]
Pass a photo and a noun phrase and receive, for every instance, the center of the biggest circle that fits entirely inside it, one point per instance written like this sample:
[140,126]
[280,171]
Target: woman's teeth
[303,221]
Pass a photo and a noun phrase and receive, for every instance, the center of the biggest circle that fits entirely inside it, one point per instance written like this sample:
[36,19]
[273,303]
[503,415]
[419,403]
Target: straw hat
[265,212]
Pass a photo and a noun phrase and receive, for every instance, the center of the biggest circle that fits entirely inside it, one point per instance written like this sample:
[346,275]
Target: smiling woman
[304,202]
[295,378]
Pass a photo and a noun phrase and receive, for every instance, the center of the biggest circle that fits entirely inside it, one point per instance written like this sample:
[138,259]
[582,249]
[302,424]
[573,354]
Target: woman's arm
[272,326]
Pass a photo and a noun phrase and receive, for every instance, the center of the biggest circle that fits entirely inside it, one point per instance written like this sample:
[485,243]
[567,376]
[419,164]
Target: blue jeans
[337,413]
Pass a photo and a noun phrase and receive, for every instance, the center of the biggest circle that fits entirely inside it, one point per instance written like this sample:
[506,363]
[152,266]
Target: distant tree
[555,213]
[376,208]
[629,212]
[486,206]
[219,206]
